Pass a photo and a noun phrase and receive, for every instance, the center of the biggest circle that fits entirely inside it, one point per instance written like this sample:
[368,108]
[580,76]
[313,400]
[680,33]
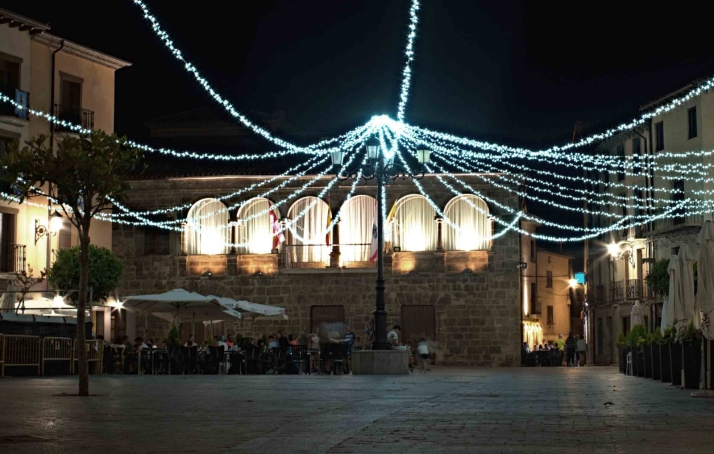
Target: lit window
[474,231]
[207,230]
[255,227]
[357,217]
[413,224]
[308,236]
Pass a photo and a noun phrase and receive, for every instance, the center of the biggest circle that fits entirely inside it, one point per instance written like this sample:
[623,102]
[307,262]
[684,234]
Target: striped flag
[374,247]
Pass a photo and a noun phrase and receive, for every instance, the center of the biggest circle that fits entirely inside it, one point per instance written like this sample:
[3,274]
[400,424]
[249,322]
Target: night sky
[516,72]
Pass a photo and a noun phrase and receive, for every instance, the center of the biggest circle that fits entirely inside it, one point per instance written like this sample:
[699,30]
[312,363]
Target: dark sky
[513,71]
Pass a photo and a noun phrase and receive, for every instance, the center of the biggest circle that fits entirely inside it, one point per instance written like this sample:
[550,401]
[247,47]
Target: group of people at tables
[572,349]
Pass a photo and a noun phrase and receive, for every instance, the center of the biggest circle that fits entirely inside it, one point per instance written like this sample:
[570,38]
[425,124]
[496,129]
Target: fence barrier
[18,351]
[95,353]
[57,349]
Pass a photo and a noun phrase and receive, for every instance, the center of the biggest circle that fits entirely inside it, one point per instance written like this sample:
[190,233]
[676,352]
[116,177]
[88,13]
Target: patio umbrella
[705,279]
[691,313]
[179,305]
[254,310]
[636,315]
[671,299]
[7,303]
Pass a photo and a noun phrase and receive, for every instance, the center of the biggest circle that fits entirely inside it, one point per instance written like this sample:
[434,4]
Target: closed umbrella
[705,279]
[637,317]
[671,299]
[7,303]
[691,313]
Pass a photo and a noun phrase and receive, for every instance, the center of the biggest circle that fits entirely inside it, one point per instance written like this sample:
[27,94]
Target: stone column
[439,233]
[335,254]
[284,256]
[184,239]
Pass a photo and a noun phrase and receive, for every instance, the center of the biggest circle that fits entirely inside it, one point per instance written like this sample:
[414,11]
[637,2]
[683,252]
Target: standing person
[315,349]
[189,342]
[423,351]
[393,336]
[570,349]
[581,347]
[350,341]
[560,342]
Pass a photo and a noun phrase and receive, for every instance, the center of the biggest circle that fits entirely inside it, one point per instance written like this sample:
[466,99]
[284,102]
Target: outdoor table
[156,352]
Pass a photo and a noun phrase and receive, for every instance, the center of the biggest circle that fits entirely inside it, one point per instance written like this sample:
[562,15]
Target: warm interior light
[613,249]
[573,282]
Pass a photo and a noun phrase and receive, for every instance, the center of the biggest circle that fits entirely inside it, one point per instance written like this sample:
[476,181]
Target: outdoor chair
[337,356]
[238,363]
[628,370]
[175,360]
[301,357]
[254,363]
[160,362]
[145,366]
[214,359]
[189,356]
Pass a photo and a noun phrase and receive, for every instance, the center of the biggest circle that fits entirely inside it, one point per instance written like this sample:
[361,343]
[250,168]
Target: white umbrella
[187,306]
[7,303]
[691,313]
[671,299]
[636,315]
[705,279]
[253,310]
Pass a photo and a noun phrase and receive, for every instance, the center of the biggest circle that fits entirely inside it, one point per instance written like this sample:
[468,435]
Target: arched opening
[207,230]
[474,232]
[413,224]
[255,226]
[357,217]
[308,237]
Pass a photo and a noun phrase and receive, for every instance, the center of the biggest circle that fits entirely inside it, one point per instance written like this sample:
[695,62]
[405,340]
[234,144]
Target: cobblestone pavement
[588,410]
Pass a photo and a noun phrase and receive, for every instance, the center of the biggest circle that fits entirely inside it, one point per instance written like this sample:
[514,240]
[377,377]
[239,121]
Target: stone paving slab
[518,410]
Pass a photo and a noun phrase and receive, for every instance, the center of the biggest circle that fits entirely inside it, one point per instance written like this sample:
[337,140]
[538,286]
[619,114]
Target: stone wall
[475,295]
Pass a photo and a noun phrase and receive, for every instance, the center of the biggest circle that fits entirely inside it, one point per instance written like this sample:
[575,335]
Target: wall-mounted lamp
[42,231]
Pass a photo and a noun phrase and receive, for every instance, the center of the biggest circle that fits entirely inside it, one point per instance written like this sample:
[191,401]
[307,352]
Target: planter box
[675,356]
[647,349]
[633,353]
[665,363]
[656,363]
[692,363]
[640,362]
[623,359]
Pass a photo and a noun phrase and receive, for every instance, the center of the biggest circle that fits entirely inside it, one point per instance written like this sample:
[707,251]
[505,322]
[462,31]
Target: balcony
[74,115]
[12,259]
[630,289]
[9,113]
[318,256]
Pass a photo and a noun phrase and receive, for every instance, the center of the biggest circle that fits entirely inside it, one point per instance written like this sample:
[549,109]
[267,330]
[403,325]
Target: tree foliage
[82,173]
[658,277]
[105,271]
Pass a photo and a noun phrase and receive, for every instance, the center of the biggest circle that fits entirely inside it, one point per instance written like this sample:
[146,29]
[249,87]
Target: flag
[374,247]
[278,236]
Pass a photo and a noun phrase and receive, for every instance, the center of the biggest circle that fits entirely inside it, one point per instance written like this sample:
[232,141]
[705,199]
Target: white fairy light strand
[409,53]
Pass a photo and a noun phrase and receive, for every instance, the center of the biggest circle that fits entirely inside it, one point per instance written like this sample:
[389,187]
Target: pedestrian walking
[570,346]
[581,347]
[423,351]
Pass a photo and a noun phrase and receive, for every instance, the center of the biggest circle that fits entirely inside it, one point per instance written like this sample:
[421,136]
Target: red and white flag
[374,247]
[278,236]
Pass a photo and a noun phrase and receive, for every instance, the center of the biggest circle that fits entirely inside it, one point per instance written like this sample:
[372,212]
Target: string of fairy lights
[573,185]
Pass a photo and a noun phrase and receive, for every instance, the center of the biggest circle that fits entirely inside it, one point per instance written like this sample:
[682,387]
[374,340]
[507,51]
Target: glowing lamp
[613,249]
[56,222]
[423,156]
[372,151]
[337,157]
[573,282]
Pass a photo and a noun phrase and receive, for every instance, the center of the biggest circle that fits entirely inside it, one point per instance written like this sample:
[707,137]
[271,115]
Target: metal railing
[630,289]
[95,354]
[20,351]
[317,256]
[75,115]
[22,98]
[56,349]
[15,259]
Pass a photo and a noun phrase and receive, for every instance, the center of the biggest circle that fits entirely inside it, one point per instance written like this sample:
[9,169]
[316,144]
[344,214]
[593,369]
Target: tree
[105,271]
[84,172]
[658,277]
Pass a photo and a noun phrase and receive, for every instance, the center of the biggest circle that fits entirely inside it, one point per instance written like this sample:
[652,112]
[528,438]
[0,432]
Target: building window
[549,279]
[207,230]
[255,228]
[64,240]
[678,196]
[659,136]
[621,156]
[600,336]
[470,214]
[357,224]
[550,315]
[533,251]
[8,249]
[625,325]
[156,241]
[535,307]
[636,155]
[308,237]
[413,226]
[692,122]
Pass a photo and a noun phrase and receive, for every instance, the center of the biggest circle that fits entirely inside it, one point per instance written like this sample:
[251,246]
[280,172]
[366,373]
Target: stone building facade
[467,302]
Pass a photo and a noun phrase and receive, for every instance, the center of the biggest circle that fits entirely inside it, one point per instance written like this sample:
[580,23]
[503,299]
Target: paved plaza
[518,410]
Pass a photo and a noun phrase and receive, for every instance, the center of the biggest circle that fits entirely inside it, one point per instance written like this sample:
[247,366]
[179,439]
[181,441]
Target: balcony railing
[75,115]
[22,98]
[317,256]
[630,289]
[13,259]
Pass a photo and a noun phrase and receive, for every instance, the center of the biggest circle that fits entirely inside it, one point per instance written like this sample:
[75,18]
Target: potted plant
[647,354]
[637,341]
[664,354]
[691,356]
[622,348]
[655,340]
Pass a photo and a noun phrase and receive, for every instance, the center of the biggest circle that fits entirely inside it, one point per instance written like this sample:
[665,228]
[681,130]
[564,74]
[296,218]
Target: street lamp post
[382,169]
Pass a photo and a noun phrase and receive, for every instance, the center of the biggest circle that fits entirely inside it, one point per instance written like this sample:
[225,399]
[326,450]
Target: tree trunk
[81,311]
